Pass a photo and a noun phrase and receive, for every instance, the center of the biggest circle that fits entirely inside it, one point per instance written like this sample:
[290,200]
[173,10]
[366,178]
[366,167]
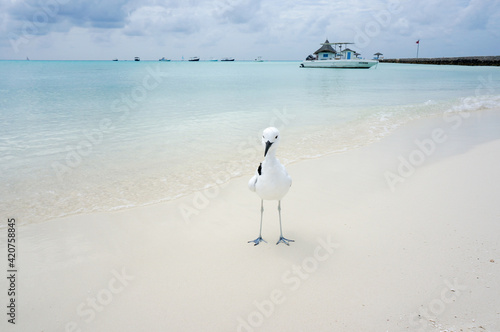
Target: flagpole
[418,46]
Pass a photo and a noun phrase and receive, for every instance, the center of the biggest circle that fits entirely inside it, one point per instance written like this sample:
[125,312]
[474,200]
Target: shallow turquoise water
[81,136]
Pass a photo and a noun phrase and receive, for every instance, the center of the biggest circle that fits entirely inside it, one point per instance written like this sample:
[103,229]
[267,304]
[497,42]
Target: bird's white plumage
[271,180]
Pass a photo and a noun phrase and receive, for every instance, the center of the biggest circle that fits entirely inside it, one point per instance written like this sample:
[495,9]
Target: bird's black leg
[259,239]
[282,239]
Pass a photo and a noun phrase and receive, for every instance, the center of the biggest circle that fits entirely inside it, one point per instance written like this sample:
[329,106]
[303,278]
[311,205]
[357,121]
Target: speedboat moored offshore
[328,57]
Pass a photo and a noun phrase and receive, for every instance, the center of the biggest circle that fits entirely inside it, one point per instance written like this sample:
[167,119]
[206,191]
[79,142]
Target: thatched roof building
[326,48]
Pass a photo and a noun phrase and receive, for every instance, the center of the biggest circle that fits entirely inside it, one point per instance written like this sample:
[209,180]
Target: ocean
[86,136]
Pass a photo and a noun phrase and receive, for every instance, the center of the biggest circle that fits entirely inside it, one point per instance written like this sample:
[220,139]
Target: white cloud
[277,29]
[236,11]
[154,20]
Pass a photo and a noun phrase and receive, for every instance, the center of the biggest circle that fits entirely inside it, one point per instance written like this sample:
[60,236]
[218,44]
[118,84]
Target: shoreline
[457,61]
[422,256]
[147,154]
[224,173]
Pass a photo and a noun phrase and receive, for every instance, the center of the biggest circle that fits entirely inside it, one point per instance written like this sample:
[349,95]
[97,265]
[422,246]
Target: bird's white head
[270,139]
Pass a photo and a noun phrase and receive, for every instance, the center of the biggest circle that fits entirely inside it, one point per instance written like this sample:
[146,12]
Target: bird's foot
[284,240]
[257,240]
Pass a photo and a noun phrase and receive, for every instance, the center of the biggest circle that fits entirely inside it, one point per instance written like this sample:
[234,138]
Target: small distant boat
[329,57]
[115,59]
[27,59]
[259,59]
[227,59]
[137,58]
[164,59]
[194,58]
[213,60]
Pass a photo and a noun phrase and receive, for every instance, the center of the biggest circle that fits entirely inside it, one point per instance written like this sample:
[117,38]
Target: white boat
[339,63]
[227,59]
[329,57]
[194,58]
[137,58]
[259,59]
[164,59]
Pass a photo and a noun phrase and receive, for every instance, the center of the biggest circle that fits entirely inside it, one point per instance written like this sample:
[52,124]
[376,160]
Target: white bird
[271,180]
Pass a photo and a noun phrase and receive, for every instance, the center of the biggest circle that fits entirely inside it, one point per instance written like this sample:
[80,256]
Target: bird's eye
[276,137]
[263,136]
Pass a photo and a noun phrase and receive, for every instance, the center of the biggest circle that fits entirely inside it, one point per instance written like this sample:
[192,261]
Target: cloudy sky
[244,29]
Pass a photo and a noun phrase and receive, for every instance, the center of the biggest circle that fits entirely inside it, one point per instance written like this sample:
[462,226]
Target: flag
[418,41]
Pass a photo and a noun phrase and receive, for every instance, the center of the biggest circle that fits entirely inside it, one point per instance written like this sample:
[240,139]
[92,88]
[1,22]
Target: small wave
[473,104]
[124,182]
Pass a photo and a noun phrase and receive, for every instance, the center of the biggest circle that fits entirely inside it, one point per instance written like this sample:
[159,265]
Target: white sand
[365,258]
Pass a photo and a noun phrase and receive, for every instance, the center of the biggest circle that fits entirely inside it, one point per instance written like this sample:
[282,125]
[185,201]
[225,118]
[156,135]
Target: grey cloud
[478,15]
[41,17]
[266,26]
[152,20]
[237,11]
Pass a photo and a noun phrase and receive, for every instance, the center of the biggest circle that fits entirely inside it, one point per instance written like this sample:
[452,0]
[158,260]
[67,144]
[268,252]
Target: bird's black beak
[268,145]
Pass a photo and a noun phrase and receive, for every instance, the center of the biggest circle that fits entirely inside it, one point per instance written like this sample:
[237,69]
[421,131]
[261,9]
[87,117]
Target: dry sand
[422,257]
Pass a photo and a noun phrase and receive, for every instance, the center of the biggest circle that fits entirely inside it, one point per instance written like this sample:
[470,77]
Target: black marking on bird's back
[259,170]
